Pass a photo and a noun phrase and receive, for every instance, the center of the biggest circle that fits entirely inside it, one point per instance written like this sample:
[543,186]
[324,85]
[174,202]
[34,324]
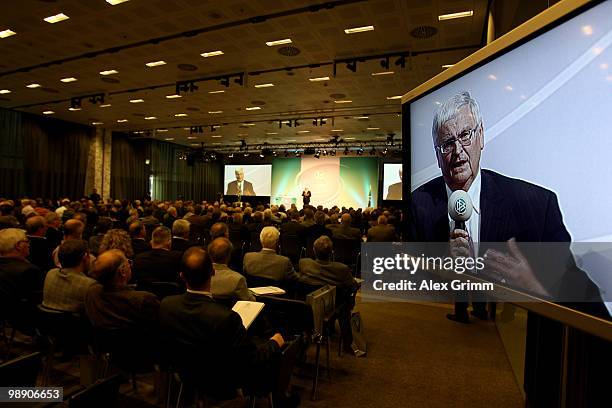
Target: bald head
[196,268]
[346,219]
[73,229]
[36,226]
[219,229]
[112,268]
[220,250]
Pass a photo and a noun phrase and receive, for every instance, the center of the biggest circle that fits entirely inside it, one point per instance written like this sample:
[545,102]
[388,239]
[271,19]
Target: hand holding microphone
[460,209]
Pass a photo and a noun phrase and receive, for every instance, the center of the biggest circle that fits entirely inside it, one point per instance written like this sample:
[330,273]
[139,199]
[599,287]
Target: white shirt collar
[200,292]
[473,192]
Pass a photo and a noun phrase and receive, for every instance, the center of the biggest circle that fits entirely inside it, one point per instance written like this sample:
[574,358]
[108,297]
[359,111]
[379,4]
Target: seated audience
[381,232]
[267,263]
[103,225]
[65,288]
[40,251]
[238,232]
[294,227]
[180,236]
[160,264]
[308,217]
[344,230]
[111,303]
[54,235]
[138,235]
[73,229]
[226,283]
[323,270]
[117,239]
[207,337]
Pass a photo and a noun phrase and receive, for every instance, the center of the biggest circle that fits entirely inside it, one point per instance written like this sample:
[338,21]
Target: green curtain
[172,177]
[129,171]
[42,157]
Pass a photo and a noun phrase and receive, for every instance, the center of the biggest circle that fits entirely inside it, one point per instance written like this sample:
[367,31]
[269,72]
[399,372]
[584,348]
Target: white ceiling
[95,26]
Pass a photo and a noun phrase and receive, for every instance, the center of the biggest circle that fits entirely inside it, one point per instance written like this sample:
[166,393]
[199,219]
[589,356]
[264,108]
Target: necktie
[239,188]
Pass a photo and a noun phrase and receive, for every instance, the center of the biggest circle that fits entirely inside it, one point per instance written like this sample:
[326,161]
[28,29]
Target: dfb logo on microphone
[460,206]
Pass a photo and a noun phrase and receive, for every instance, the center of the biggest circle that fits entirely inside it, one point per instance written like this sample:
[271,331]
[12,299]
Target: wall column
[99,163]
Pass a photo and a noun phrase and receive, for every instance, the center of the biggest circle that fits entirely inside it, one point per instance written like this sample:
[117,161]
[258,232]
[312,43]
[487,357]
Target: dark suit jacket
[293,228]
[510,208]
[346,232]
[247,188]
[19,279]
[140,245]
[157,265]
[181,244]
[40,253]
[318,272]
[381,233]
[268,264]
[394,192]
[205,336]
[306,197]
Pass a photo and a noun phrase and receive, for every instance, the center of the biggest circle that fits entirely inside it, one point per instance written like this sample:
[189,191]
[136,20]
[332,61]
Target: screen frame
[536,26]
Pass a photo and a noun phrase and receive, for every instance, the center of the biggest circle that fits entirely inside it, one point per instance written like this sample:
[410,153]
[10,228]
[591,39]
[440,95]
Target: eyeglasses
[464,139]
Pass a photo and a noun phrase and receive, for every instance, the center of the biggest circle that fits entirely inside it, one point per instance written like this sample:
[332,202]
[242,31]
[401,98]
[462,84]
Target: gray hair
[9,238]
[448,110]
[180,228]
[269,237]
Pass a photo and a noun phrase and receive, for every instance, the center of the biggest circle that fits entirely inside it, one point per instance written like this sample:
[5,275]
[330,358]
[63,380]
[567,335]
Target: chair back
[346,251]
[130,349]
[292,246]
[21,371]
[287,361]
[323,303]
[255,242]
[64,329]
[294,316]
[102,394]
[259,281]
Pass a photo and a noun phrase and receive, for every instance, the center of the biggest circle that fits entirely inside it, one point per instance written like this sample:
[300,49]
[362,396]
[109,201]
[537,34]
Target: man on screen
[240,186]
[505,209]
[395,190]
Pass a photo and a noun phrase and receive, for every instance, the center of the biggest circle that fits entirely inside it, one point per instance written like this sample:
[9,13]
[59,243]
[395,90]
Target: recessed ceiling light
[303,131]
[106,105]
[216,92]
[4,91]
[349,138]
[136,100]
[216,136]
[290,140]
[360,117]
[337,130]
[161,130]
[318,79]
[56,18]
[251,108]
[121,120]
[343,101]
[271,133]
[394,97]
[320,140]
[69,79]
[508,88]
[587,30]
[268,85]
[6,33]
[211,54]
[48,113]
[97,123]
[155,63]
[150,117]
[243,134]
[195,144]
[173,96]
[191,137]
[216,143]
[32,86]
[180,115]
[382,73]
[451,16]
[248,124]
[214,112]
[372,128]
[109,72]
[447,66]
[74,109]
[358,29]
[492,77]
[115,2]
[279,42]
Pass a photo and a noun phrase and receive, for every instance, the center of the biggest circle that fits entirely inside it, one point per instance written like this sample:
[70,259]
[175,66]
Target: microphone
[460,208]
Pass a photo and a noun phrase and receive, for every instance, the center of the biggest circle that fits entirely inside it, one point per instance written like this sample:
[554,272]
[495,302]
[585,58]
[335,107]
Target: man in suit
[505,209]
[306,194]
[240,186]
[322,270]
[138,236]
[40,251]
[345,231]
[382,231]
[226,283]
[395,190]
[180,236]
[267,263]
[206,337]
[160,264]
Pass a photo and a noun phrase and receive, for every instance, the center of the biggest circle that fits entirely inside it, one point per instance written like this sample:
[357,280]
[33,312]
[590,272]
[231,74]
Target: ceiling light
[56,18]
[278,42]
[508,88]
[349,138]
[150,117]
[168,138]
[216,136]
[161,130]
[492,77]
[250,108]
[382,73]
[216,143]
[4,91]
[290,140]
[180,115]
[358,29]
[271,133]
[109,72]
[74,109]
[115,2]
[106,105]
[69,79]
[394,97]
[136,100]
[587,30]
[343,101]
[32,86]
[360,117]
[48,113]
[447,66]
[214,112]
[155,63]
[451,16]
[173,96]
[191,137]
[337,130]
[264,85]
[318,79]
[303,131]
[97,123]
[248,124]
[121,120]
[211,54]
[216,92]
[372,128]
[6,33]
[320,140]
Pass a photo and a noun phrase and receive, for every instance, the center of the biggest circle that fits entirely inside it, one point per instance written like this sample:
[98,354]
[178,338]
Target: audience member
[102,227]
[180,236]
[19,278]
[267,263]
[40,251]
[53,234]
[160,264]
[344,230]
[117,239]
[138,235]
[381,232]
[73,229]
[226,283]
